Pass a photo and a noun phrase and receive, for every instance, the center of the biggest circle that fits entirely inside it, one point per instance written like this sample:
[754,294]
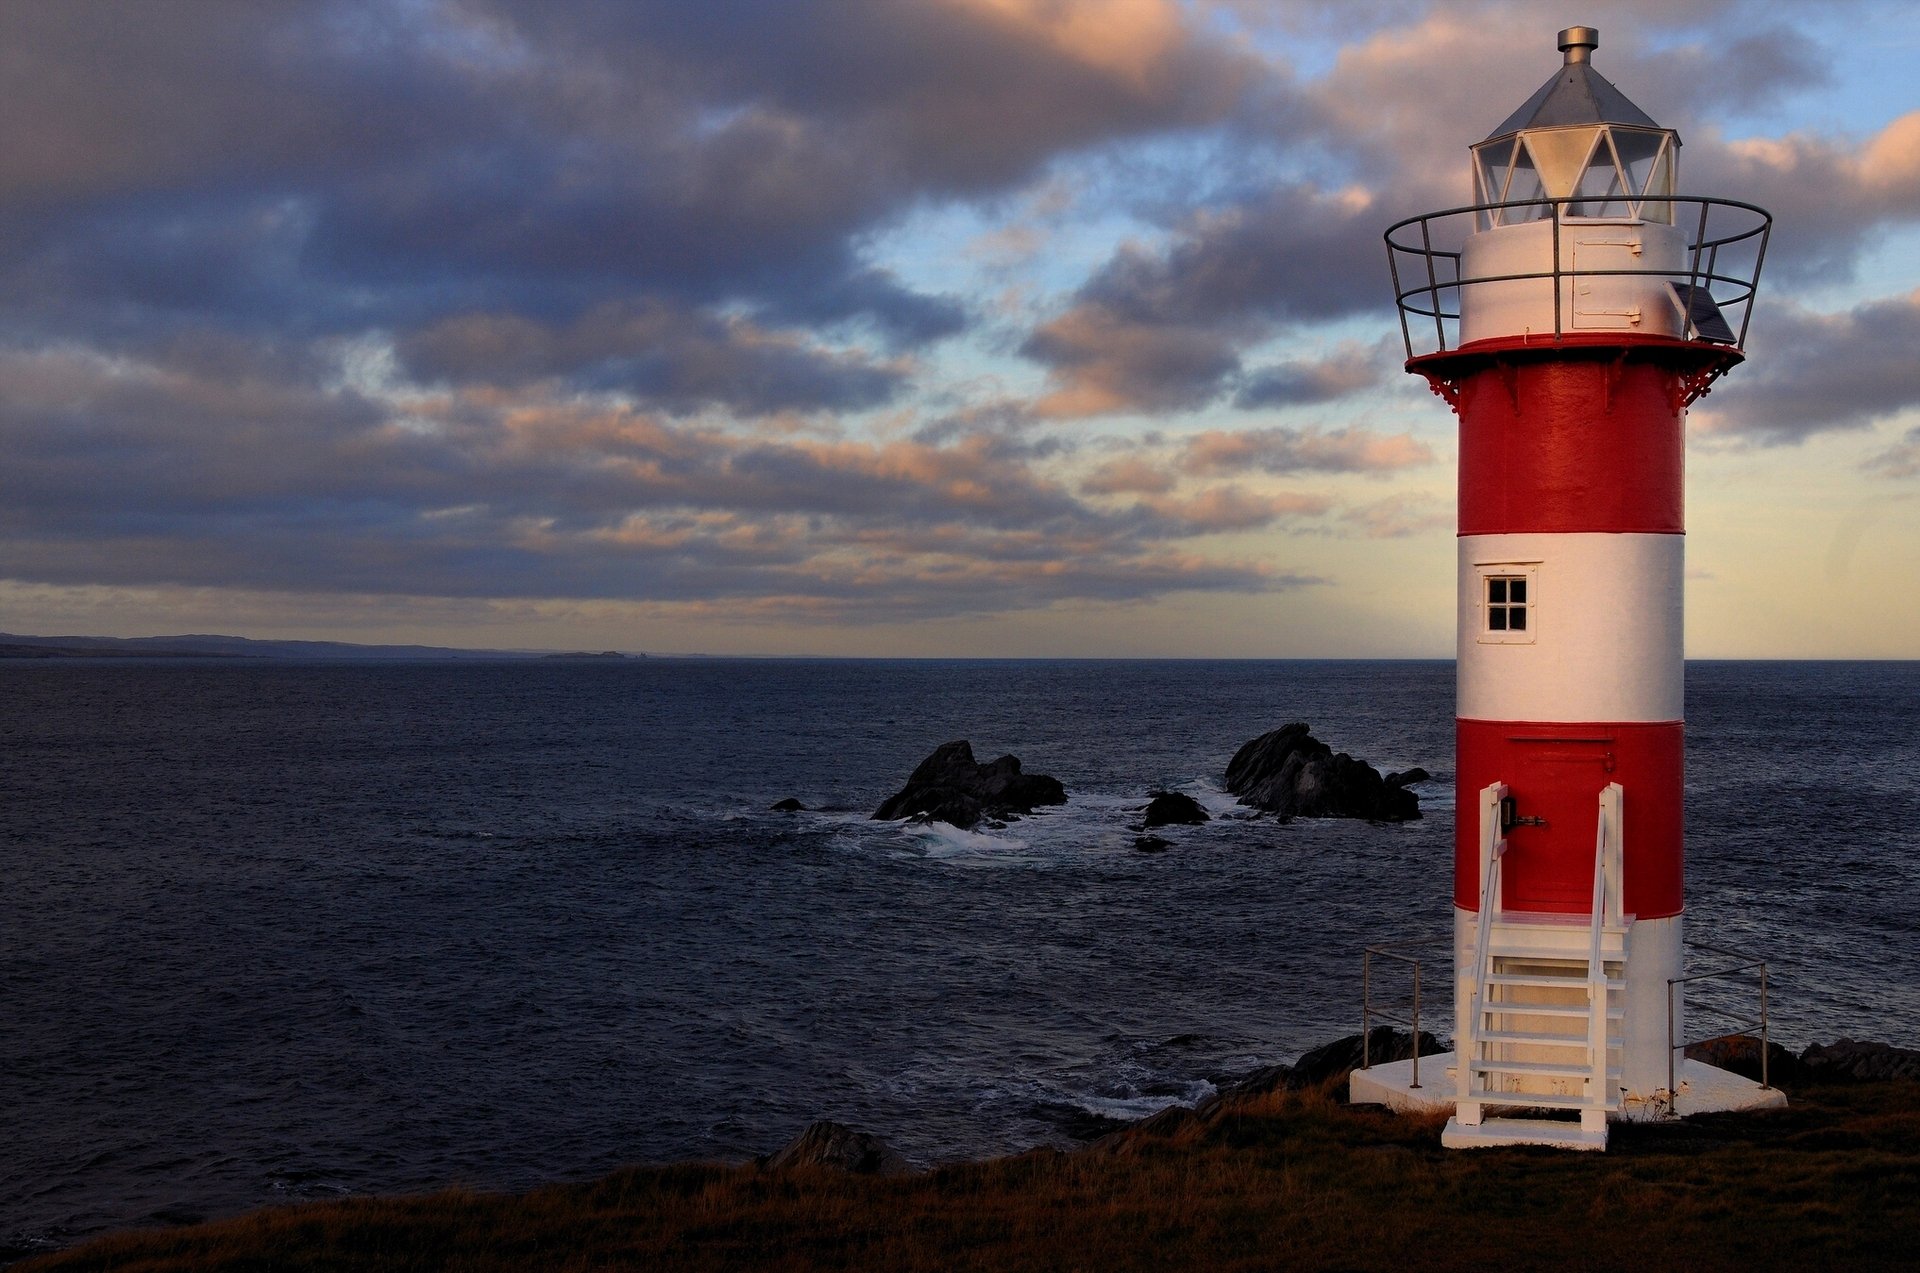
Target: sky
[880,327]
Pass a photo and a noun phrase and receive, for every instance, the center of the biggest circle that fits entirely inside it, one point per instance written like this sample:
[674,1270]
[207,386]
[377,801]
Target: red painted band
[1577,443]
[1555,771]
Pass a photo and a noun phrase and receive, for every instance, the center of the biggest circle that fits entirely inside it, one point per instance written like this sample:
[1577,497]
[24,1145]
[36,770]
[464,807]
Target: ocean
[274,930]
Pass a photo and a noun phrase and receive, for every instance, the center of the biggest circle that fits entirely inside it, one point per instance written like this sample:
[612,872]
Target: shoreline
[1278,1161]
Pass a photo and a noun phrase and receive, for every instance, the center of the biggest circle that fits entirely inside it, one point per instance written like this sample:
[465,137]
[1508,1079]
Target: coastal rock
[789,805]
[1290,772]
[1341,1057]
[840,1148]
[1151,844]
[1407,779]
[1173,809]
[1849,1059]
[1740,1054]
[950,786]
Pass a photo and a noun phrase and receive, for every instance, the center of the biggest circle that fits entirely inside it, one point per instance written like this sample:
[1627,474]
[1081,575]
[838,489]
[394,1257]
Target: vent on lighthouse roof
[1577,94]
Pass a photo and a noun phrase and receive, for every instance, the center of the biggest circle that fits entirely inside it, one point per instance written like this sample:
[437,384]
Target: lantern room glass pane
[1490,168]
[1492,165]
[1601,192]
[1524,184]
[1638,151]
[1648,160]
[1561,155]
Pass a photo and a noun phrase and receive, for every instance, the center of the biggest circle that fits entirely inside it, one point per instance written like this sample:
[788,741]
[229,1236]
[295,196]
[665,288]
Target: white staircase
[1542,1037]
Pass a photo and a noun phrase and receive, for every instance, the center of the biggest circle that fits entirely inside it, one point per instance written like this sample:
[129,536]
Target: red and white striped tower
[1569,331]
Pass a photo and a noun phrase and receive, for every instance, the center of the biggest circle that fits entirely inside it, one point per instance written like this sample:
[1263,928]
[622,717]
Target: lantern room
[1578,138]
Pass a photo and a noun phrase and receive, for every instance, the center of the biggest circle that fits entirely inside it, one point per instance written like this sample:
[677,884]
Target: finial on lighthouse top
[1578,43]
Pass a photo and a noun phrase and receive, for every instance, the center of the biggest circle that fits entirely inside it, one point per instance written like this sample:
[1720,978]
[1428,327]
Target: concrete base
[1703,1090]
[1492,1133]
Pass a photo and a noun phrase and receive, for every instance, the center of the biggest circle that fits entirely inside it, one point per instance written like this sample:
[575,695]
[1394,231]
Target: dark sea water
[275,931]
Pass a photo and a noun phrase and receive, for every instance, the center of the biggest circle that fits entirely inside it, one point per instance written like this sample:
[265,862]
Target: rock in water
[837,1146]
[1294,774]
[1173,809]
[789,805]
[950,786]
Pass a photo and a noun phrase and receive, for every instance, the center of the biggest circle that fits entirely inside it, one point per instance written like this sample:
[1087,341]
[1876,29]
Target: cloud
[1899,460]
[341,166]
[1131,475]
[1309,450]
[1219,509]
[1158,331]
[1400,517]
[660,355]
[234,467]
[1813,373]
[1103,363]
[1347,370]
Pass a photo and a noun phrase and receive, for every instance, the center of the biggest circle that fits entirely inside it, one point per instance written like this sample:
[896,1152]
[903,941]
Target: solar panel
[1703,313]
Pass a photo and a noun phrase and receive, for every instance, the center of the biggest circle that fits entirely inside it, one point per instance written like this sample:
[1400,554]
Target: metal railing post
[1366,1010]
[1415,1085]
[1553,210]
[1763,1028]
[1433,284]
[1673,1091]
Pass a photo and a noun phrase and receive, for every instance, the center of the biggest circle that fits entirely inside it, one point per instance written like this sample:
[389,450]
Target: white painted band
[1603,639]
[1591,298]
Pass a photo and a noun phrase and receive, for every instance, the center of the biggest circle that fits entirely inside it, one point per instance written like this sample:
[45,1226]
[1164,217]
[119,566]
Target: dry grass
[1289,1180]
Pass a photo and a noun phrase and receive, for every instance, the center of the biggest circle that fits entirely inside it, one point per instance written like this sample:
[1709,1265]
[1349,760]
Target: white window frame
[1528,572]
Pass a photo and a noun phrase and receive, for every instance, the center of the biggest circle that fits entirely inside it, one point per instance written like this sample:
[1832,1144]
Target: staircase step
[1542,979]
[1494,1132]
[1531,950]
[1537,1038]
[1507,1009]
[1582,920]
[1554,1069]
[1610,1099]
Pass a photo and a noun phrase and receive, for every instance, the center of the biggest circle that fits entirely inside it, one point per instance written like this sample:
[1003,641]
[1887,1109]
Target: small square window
[1507,607]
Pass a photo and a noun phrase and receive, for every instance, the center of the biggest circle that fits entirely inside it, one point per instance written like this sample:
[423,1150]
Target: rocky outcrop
[1849,1059]
[1290,772]
[950,786]
[1173,809]
[789,805]
[1740,1054]
[839,1148]
[1331,1061]
[1341,1057]
[1151,844]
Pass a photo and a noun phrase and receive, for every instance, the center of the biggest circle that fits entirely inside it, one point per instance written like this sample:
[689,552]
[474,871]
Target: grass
[1281,1181]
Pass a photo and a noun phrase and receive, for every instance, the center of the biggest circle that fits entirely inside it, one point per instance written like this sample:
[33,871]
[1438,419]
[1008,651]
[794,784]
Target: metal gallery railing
[1424,255]
[1743,963]
[1395,953]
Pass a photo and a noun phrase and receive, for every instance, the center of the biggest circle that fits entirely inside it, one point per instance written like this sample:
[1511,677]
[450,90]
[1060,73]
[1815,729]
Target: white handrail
[1493,846]
[1606,904]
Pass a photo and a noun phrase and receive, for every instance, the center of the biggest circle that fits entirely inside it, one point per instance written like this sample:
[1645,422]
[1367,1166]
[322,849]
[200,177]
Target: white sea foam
[944,842]
[1136,1107]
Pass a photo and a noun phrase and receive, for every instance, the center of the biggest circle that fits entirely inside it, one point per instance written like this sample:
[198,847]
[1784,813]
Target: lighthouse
[1569,316]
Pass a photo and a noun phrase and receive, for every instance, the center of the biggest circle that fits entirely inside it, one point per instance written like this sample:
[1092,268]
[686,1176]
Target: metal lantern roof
[1577,94]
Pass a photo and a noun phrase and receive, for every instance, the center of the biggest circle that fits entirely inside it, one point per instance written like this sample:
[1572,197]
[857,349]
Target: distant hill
[203,645]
